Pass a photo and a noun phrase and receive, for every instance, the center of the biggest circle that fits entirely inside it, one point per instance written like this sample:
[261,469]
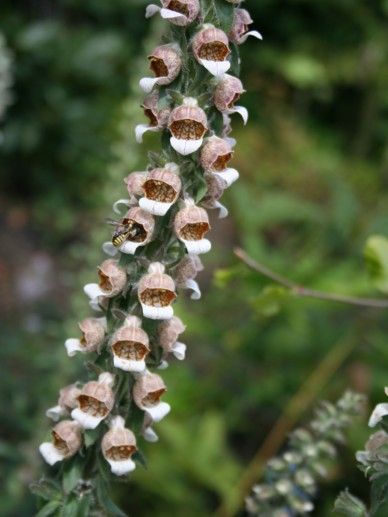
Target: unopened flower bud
[117,446]
[66,441]
[191,225]
[188,125]
[211,49]
[95,401]
[161,189]
[66,402]
[178,12]
[130,346]
[92,337]
[166,63]
[156,293]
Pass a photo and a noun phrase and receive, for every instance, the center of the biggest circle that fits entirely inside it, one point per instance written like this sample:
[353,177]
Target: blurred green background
[314,177]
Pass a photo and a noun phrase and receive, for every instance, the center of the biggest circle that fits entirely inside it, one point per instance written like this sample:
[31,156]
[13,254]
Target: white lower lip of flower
[109,249]
[55,413]
[147,83]
[140,129]
[216,68]
[87,421]
[149,435]
[158,412]
[228,175]
[129,365]
[94,304]
[378,413]
[93,291]
[50,453]
[362,457]
[243,112]
[118,203]
[163,365]
[157,313]
[185,147]
[120,468]
[129,247]
[73,346]
[198,247]
[179,350]
[254,34]
[193,285]
[223,211]
[231,141]
[154,207]
[168,14]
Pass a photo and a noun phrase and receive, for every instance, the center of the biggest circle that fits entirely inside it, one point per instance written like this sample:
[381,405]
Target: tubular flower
[191,225]
[178,12]
[165,63]
[130,346]
[147,391]
[95,402]
[159,233]
[240,28]
[112,280]
[188,125]
[215,156]
[169,332]
[117,446]
[227,92]
[92,337]
[158,117]
[66,402]
[161,189]
[66,441]
[156,293]
[211,50]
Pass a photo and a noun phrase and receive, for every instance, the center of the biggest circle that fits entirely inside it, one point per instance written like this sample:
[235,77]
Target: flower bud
[147,392]
[168,332]
[191,225]
[240,28]
[92,337]
[112,280]
[66,402]
[211,49]
[156,293]
[130,346]
[178,12]
[227,92]
[95,401]
[135,230]
[165,63]
[188,125]
[215,156]
[117,446]
[66,441]
[161,189]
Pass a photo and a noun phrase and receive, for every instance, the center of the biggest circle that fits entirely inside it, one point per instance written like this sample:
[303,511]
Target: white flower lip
[216,68]
[149,435]
[157,313]
[140,129]
[147,83]
[223,211]
[179,350]
[73,346]
[116,205]
[129,247]
[109,249]
[378,413]
[158,412]
[154,207]
[168,14]
[185,147]
[50,453]
[129,365]
[254,34]
[198,247]
[120,468]
[193,285]
[93,291]
[87,421]
[228,175]
[243,112]
[55,413]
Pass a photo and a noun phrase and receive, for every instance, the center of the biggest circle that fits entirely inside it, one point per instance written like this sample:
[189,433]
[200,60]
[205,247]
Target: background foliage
[313,188]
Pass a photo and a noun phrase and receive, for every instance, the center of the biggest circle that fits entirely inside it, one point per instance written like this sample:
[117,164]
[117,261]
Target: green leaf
[139,457]
[270,301]
[376,257]
[224,14]
[71,508]
[71,476]
[105,502]
[49,509]
[90,437]
[379,497]
[46,489]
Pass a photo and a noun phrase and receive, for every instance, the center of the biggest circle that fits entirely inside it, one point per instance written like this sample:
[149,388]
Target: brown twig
[297,405]
[304,291]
